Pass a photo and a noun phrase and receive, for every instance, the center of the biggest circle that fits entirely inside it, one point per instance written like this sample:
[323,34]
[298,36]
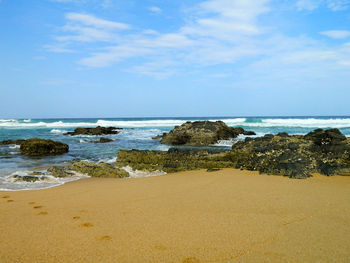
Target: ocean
[137,133]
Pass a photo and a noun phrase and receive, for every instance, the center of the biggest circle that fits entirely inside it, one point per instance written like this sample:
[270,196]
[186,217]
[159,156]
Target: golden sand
[189,217]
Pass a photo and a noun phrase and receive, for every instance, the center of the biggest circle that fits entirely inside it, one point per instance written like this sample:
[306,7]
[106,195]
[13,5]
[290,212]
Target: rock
[8,142]
[295,156]
[60,172]
[160,136]
[26,178]
[38,147]
[94,131]
[200,133]
[99,170]
[174,160]
[103,140]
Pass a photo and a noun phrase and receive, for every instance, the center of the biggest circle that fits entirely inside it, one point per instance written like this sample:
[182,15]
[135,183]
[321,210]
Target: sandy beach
[196,216]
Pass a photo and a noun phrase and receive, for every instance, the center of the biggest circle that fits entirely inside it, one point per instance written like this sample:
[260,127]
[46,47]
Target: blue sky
[129,58]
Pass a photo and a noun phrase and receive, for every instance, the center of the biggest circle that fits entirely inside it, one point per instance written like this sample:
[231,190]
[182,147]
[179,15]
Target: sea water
[137,133]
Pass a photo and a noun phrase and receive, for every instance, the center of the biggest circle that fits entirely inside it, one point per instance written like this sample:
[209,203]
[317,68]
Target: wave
[57,131]
[302,123]
[168,123]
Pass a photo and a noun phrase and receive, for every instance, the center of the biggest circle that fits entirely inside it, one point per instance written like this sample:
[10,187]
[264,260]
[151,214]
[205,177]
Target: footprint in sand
[37,207]
[86,225]
[83,211]
[9,201]
[76,217]
[42,213]
[191,260]
[6,196]
[105,238]
[31,203]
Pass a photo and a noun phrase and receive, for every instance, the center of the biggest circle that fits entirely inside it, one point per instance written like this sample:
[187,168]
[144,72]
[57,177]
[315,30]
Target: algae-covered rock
[173,160]
[99,170]
[26,178]
[94,131]
[201,133]
[58,171]
[38,147]
[296,156]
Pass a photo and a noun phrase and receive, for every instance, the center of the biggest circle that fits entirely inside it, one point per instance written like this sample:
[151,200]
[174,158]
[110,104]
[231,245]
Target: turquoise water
[137,133]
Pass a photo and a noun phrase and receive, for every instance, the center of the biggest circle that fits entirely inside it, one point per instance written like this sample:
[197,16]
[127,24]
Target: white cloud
[90,20]
[336,34]
[308,4]
[216,32]
[334,5]
[155,9]
[337,5]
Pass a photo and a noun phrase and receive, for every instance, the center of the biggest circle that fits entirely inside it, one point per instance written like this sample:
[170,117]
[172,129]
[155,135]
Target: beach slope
[197,216]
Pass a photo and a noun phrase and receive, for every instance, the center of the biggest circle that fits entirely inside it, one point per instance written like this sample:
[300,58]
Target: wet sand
[189,217]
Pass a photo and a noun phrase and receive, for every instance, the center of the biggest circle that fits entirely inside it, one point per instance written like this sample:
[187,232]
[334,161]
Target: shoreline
[194,216]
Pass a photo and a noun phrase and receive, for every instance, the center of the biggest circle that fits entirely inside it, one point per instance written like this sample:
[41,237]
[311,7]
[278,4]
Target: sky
[173,58]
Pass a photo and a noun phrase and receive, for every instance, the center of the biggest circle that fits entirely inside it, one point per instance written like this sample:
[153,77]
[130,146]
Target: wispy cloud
[216,32]
[336,34]
[334,5]
[155,9]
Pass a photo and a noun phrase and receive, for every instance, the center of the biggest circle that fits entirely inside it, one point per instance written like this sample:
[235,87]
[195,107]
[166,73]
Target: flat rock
[39,147]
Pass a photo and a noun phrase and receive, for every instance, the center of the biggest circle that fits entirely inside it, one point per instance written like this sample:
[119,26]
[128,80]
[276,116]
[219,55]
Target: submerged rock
[27,178]
[99,170]
[103,140]
[201,133]
[39,147]
[296,156]
[94,131]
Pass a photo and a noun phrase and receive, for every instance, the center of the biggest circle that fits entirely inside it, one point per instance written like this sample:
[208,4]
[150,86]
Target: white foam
[303,123]
[28,120]
[106,123]
[14,146]
[57,131]
[10,183]
[141,174]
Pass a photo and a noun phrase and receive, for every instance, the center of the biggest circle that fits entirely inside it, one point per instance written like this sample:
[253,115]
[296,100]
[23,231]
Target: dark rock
[8,142]
[160,136]
[38,147]
[94,131]
[99,170]
[200,133]
[295,156]
[103,140]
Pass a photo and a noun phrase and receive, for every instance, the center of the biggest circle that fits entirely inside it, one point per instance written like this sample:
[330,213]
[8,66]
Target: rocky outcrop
[39,147]
[99,170]
[8,142]
[94,131]
[321,151]
[200,133]
[103,140]
[174,160]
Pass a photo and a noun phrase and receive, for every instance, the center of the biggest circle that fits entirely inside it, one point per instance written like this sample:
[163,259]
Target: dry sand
[224,216]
